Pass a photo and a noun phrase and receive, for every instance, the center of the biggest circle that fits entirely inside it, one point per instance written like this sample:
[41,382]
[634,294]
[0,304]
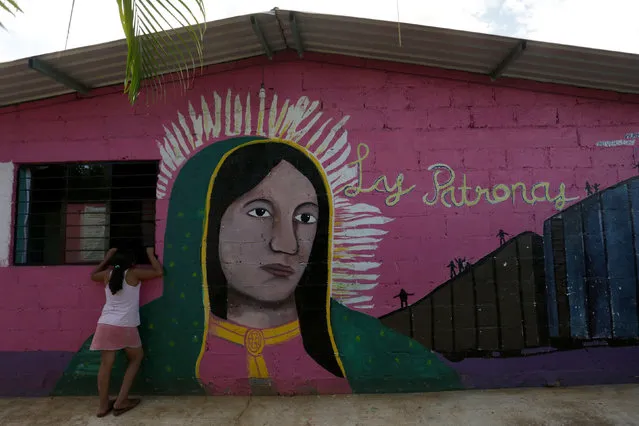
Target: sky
[610,24]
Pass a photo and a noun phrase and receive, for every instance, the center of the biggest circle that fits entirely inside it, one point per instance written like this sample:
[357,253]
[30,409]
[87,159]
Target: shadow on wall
[31,373]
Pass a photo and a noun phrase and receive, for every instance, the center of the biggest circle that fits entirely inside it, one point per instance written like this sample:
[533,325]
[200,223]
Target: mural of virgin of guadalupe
[247,292]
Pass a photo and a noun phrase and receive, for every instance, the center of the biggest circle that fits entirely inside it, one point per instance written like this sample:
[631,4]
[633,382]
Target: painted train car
[591,267]
[577,285]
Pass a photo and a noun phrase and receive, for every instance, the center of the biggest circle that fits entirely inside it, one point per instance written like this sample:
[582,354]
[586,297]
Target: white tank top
[122,308]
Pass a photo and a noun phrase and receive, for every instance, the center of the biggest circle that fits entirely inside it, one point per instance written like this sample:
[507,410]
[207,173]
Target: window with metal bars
[72,213]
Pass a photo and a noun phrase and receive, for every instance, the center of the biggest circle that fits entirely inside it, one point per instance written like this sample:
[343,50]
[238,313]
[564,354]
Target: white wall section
[6,202]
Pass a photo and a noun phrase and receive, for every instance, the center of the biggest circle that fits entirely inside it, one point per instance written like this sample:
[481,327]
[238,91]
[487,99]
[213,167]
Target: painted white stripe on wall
[618,142]
[6,199]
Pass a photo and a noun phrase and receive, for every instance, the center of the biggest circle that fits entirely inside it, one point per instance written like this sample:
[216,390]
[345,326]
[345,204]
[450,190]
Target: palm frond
[10,6]
[162,36]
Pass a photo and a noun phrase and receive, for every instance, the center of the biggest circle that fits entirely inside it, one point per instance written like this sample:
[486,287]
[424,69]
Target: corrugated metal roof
[234,39]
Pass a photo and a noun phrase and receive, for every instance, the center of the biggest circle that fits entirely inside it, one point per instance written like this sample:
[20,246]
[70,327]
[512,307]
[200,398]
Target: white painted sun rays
[358,227]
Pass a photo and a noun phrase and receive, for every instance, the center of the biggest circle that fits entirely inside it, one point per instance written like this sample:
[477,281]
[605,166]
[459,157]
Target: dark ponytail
[121,261]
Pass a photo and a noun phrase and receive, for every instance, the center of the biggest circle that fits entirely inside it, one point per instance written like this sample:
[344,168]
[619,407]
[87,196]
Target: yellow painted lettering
[505,193]
[464,192]
[395,191]
[485,192]
[533,191]
[524,192]
[447,191]
[444,191]
[438,185]
[362,154]
[477,199]
[560,200]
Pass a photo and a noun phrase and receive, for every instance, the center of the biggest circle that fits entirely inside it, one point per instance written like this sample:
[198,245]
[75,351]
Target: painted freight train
[577,285]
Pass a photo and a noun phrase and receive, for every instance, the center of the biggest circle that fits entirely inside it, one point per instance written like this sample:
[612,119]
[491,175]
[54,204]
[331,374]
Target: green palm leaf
[162,36]
[10,6]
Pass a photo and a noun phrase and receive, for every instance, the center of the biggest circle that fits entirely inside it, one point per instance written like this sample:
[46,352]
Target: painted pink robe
[241,360]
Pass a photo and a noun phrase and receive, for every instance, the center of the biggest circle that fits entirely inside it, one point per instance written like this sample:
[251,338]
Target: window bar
[23,210]
[63,214]
[108,202]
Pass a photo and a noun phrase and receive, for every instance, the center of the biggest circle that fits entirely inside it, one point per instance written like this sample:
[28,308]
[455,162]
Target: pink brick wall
[410,117]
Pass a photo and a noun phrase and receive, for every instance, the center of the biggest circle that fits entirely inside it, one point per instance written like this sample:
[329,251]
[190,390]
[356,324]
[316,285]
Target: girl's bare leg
[135,356]
[104,376]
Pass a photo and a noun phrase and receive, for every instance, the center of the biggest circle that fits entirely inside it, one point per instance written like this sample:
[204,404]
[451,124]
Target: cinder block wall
[418,125]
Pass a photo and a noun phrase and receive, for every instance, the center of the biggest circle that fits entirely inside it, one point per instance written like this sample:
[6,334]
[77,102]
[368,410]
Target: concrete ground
[600,405]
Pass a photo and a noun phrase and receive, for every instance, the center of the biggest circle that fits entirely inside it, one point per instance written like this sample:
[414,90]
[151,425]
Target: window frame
[65,201]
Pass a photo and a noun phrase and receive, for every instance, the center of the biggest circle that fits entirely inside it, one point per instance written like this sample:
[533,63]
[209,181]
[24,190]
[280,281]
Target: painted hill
[497,304]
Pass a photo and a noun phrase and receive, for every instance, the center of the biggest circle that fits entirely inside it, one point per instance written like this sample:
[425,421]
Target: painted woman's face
[266,236]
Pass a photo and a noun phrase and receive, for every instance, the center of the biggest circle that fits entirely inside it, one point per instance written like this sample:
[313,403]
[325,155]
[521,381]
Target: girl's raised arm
[156,271]
[99,273]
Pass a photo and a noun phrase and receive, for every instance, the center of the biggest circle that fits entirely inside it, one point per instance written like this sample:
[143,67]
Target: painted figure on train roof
[255,262]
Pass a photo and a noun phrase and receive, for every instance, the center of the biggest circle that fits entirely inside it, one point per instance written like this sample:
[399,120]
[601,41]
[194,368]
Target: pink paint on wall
[421,126]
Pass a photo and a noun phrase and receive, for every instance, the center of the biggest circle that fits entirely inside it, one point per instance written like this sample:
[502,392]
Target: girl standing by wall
[118,325]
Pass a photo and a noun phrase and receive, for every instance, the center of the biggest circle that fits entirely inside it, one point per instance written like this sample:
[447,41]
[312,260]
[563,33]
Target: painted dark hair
[121,261]
[242,171]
